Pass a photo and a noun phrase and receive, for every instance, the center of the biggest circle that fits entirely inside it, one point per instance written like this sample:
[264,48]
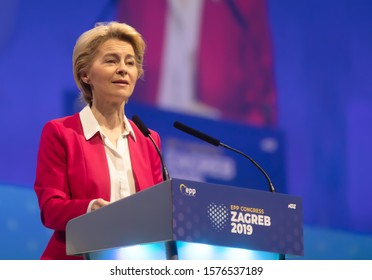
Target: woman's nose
[122,68]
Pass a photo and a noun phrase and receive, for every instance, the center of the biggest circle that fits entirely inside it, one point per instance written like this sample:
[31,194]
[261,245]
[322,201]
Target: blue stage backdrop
[317,104]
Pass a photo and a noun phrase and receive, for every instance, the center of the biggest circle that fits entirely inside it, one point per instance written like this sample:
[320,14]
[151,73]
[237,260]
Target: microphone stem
[271,186]
[165,171]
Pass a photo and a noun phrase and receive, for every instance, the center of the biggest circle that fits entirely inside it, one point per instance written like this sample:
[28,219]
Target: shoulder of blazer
[70,122]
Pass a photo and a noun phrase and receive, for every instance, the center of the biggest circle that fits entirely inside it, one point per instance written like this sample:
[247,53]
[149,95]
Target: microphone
[197,133]
[216,142]
[146,132]
[170,246]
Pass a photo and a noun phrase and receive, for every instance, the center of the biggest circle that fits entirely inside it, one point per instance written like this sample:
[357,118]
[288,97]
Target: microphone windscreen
[145,131]
[196,133]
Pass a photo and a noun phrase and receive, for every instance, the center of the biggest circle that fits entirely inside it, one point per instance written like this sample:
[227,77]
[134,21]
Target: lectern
[180,212]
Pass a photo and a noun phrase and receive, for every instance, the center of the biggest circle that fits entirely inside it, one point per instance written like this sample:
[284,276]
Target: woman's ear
[84,77]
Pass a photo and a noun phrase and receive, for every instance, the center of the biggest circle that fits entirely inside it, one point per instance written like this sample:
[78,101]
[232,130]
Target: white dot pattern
[218,215]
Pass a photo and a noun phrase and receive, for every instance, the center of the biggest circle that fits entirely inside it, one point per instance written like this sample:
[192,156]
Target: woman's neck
[110,116]
[111,120]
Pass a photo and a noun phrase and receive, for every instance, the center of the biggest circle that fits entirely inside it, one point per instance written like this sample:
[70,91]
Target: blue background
[322,52]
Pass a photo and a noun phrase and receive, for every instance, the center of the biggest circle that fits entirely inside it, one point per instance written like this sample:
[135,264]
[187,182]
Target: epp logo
[187,191]
[292,206]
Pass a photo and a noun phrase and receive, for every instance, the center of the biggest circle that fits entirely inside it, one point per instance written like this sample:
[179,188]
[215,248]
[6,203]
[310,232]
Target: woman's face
[113,73]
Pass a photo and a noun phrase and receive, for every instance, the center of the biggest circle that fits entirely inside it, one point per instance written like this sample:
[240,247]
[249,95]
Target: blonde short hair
[88,43]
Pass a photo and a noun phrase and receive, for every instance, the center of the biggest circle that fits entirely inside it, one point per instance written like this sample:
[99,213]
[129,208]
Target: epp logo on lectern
[187,191]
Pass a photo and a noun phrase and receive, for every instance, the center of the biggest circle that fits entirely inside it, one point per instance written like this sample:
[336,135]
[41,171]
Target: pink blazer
[71,171]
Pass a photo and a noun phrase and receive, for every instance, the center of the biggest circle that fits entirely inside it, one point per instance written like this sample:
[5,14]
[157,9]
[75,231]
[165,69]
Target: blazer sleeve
[52,184]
